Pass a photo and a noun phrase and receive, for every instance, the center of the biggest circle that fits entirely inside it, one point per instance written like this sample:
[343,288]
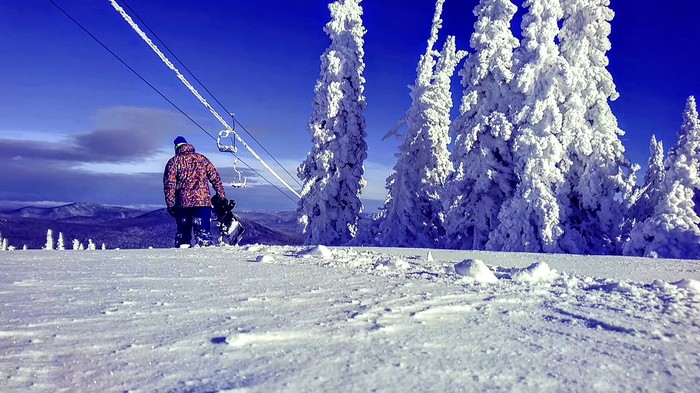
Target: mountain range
[125,228]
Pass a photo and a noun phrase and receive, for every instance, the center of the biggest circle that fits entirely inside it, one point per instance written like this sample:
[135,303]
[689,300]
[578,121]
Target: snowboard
[230,227]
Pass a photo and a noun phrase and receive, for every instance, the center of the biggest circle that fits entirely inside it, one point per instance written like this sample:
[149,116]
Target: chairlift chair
[231,148]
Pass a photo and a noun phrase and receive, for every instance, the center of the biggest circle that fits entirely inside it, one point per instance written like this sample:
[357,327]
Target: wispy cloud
[121,161]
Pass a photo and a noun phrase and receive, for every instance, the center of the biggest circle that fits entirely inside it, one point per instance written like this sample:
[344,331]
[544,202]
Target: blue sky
[76,125]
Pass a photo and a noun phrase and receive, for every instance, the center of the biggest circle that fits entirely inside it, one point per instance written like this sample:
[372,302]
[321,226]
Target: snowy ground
[264,318]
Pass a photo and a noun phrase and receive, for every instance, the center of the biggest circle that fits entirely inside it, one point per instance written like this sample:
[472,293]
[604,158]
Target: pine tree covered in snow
[333,170]
[61,244]
[600,180]
[652,191]
[673,231]
[482,133]
[530,219]
[685,158]
[413,212]
[49,240]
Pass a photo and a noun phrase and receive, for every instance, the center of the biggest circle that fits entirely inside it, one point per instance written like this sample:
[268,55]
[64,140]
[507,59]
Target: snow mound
[264,258]
[391,264]
[317,251]
[620,287]
[687,283]
[537,272]
[475,270]
[253,247]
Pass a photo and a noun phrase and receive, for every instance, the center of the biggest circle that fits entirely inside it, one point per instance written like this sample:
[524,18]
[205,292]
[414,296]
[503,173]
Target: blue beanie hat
[179,141]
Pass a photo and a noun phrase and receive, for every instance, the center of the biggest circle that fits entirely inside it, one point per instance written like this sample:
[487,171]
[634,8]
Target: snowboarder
[186,185]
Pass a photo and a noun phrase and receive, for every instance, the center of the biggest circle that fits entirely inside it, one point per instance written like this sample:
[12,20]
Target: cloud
[39,182]
[32,152]
[121,161]
[62,183]
[121,135]
[158,123]
[115,163]
[115,145]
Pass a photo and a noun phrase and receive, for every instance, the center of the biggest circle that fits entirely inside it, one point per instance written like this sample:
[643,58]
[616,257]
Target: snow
[475,270]
[536,272]
[345,319]
[317,251]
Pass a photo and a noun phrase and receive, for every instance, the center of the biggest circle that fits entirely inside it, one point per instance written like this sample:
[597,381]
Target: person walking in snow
[186,185]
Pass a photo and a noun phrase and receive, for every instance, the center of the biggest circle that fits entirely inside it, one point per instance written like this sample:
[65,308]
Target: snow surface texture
[283,318]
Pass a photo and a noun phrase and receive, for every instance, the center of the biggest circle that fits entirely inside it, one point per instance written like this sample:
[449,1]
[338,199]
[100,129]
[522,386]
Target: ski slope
[276,318]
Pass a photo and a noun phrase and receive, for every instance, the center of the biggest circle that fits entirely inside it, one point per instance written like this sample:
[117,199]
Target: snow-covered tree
[77,245]
[333,171]
[684,160]
[413,212]
[600,180]
[104,247]
[673,230]
[91,245]
[61,244]
[482,133]
[49,240]
[652,191]
[530,219]
[3,244]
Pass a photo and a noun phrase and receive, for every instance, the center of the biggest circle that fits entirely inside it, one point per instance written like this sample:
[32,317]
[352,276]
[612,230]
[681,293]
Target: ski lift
[242,180]
[231,148]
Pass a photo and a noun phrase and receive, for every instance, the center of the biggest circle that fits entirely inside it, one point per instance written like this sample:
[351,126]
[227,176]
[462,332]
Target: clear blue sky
[76,125]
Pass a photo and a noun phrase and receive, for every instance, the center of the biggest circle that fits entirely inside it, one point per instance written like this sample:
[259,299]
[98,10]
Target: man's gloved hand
[217,200]
[172,210]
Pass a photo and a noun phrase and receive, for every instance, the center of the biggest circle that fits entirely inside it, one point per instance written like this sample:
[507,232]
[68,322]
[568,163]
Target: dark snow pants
[193,219]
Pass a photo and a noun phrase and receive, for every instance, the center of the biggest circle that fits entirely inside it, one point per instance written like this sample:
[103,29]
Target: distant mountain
[75,211]
[125,228]
[285,221]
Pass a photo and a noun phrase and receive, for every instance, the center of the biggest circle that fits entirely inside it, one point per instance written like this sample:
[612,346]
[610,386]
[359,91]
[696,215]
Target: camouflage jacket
[186,179]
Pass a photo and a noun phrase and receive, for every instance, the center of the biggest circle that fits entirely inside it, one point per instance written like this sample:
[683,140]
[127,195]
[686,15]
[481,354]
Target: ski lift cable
[128,66]
[194,91]
[86,31]
[261,176]
[263,147]
[206,89]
